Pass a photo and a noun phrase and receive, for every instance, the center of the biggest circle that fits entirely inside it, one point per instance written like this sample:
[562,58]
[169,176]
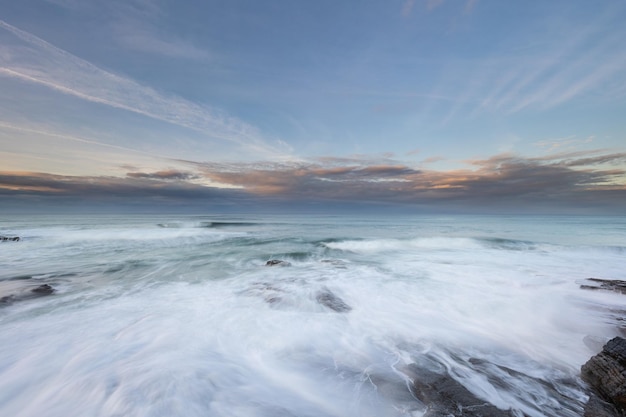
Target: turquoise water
[179,315]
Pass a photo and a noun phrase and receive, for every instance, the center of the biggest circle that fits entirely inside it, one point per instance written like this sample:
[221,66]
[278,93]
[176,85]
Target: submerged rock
[277,262]
[44,289]
[327,298]
[606,373]
[26,293]
[445,396]
[604,284]
[9,239]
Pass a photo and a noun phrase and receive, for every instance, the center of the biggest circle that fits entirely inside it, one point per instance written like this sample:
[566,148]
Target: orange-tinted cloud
[568,182]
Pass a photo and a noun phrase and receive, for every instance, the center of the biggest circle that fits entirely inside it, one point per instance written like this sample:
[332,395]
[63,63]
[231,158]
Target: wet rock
[7,299]
[277,262]
[444,396]
[337,263]
[604,284]
[596,407]
[606,373]
[9,239]
[25,293]
[44,289]
[270,293]
[329,299]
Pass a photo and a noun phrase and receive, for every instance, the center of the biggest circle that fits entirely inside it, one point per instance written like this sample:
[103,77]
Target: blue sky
[466,105]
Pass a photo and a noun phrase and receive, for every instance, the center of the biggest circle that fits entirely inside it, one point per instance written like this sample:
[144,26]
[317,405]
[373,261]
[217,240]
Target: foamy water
[179,316]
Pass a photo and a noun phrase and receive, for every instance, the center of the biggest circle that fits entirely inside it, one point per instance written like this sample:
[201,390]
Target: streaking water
[179,316]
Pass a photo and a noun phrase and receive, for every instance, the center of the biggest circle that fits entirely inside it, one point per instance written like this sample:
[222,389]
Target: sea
[301,315]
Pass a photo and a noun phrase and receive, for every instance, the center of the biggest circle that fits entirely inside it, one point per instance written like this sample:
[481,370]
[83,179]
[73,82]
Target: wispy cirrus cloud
[408,5]
[144,39]
[133,24]
[572,141]
[31,59]
[557,61]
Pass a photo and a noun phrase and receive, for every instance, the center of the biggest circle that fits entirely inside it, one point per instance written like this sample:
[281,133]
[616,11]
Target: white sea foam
[189,321]
[392,245]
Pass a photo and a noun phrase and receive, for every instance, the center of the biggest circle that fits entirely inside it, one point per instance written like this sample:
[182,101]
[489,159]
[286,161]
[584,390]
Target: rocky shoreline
[605,373]
[439,392]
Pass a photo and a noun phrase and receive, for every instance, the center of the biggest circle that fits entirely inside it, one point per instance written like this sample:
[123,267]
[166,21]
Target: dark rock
[273,300]
[43,289]
[277,262]
[604,284]
[7,299]
[9,239]
[596,407]
[270,293]
[444,396]
[327,298]
[606,373]
[26,293]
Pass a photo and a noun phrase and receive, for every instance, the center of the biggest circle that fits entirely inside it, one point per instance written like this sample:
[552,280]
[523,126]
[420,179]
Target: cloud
[134,24]
[41,132]
[557,61]
[407,7]
[99,188]
[143,39]
[166,175]
[433,159]
[564,143]
[433,4]
[571,182]
[618,159]
[31,59]
[492,181]
[469,5]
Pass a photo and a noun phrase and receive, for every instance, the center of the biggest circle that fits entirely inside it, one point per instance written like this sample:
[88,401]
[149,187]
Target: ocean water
[180,316]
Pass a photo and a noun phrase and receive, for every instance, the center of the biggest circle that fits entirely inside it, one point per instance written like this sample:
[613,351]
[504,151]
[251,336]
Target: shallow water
[178,315]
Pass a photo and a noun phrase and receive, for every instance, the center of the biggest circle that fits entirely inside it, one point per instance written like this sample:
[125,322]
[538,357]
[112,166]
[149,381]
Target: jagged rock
[9,238]
[444,396]
[604,284]
[596,407]
[277,262]
[606,373]
[327,298]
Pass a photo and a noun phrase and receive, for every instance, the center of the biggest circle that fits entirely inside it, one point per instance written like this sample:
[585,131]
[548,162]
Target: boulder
[329,299]
[606,374]
[44,289]
[26,293]
[445,396]
[596,407]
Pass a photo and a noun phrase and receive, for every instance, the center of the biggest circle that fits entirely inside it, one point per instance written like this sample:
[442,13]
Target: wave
[507,244]
[186,225]
[392,245]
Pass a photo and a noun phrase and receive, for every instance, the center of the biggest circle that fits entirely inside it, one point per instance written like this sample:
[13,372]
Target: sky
[211,106]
